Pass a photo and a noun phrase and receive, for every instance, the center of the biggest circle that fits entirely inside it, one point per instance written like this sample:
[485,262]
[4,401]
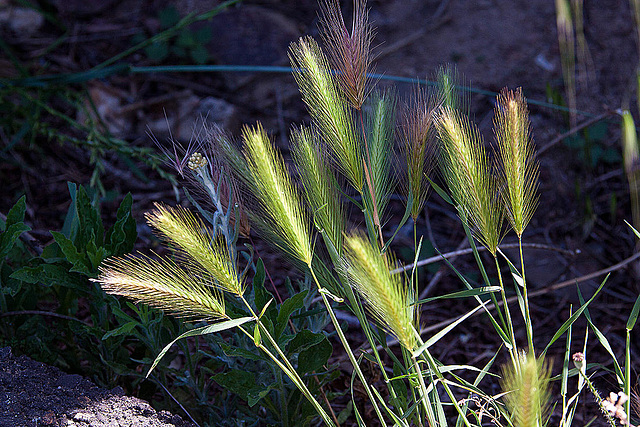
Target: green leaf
[255,395]
[239,352]
[121,237]
[157,51]
[122,330]
[169,16]
[199,54]
[236,381]
[203,35]
[89,221]
[633,317]
[257,340]
[8,285]
[80,262]
[573,317]
[434,339]
[216,327]
[186,39]
[304,340]
[261,295]
[49,275]
[16,213]
[287,308]
[315,357]
[10,236]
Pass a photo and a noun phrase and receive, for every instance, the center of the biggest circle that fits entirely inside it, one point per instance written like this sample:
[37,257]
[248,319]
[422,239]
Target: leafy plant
[189,45]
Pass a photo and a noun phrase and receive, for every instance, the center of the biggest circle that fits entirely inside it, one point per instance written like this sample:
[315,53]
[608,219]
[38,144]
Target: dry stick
[42,313]
[539,292]
[575,129]
[480,249]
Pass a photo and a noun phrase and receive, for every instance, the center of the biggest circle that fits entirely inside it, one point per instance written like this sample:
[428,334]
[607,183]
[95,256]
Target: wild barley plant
[344,156]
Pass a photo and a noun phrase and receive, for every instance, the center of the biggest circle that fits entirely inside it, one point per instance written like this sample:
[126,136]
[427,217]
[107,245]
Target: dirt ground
[34,394]
[493,44]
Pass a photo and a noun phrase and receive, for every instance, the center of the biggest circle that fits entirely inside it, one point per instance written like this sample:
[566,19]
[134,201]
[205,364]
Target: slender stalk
[369,180]
[287,368]
[423,390]
[513,351]
[433,367]
[346,346]
[527,315]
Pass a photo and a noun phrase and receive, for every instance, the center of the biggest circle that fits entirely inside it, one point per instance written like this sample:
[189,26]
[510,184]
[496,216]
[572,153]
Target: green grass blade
[204,330]
[573,317]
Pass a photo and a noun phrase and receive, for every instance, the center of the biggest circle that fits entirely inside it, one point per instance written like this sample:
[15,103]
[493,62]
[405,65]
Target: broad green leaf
[16,213]
[257,393]
[315,357]
[10,236]
[290,305]
[122,330]
[50,274]
[121,237]
[304,340]
[236,381]
[89,221]
[80,262]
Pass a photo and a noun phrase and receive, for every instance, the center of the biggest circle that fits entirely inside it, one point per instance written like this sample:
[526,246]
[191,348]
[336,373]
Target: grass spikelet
[328,109]
[516,163]
[191,239]
[566,41]
[448,93]
[317,178]
[162,284]
[389,301]
[350,54]
[418,130]
[380,119]
[465,166]
[277,194]
[528,394]
[631,163]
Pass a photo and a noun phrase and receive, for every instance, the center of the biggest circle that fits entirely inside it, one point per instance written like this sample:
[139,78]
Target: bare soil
[34,394]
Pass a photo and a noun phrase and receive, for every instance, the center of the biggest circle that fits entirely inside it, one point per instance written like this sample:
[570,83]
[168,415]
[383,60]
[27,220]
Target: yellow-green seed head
[162,284]
[527,390]
[388,298]
[465,166]
[516,163]
[277,194]
[193,243]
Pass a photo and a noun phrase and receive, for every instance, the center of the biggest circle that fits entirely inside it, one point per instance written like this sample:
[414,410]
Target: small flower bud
[196,161]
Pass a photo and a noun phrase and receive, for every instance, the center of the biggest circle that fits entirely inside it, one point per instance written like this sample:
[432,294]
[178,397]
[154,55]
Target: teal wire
[83,76]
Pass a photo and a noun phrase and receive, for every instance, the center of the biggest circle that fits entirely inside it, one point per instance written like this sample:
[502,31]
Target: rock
[22,21]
